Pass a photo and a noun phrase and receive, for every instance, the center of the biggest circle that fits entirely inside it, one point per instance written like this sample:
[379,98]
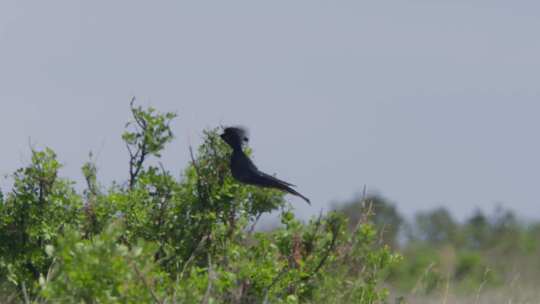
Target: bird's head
[235,136]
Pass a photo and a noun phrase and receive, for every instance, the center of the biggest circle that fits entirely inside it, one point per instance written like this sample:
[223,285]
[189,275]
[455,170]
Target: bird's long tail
[270,181]
[294,192]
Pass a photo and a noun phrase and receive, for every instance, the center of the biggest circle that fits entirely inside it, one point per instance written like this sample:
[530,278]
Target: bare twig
[211,277]
[252,228]
[135,164]
[146,285]
[192,255]
[446,288]
[25,294]
[199,182]
[367,206]
[175,289]
[484,281]
[327,253]
[424,275]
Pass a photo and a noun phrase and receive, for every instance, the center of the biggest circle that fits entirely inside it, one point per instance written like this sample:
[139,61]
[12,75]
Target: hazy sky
[428,102]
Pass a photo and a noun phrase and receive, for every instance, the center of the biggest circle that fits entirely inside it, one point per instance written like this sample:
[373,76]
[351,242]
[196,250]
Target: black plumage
[245,171]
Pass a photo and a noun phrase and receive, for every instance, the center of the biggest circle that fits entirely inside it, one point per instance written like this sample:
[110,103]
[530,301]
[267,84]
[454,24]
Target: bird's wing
[249,165]
[263,176]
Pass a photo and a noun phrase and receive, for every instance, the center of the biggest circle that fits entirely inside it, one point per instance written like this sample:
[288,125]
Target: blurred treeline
[486,250]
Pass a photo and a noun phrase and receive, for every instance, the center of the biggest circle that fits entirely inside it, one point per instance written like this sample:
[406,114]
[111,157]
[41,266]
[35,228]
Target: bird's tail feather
[294,192]
[277,179]
[270,181]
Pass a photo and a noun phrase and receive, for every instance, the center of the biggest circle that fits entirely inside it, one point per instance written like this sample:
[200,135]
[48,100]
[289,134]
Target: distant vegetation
[442,257]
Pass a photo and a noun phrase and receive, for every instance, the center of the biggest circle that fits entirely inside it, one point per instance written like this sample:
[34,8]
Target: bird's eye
[246,139]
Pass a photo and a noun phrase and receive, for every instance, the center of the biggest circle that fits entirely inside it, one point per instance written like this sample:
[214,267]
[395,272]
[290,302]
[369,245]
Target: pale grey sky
[428,102]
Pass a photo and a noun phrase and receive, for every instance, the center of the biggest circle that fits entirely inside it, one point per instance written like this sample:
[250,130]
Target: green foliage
[102,270]
[162,239]
[436,227]
[483,252]
[419,272]
[382,213]
[353,277]
[33,216]
[151,133]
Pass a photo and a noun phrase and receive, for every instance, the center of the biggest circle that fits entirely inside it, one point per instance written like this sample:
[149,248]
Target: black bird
[245,171]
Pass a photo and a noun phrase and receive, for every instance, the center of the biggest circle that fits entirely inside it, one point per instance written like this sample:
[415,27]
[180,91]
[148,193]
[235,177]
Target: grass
[516,289]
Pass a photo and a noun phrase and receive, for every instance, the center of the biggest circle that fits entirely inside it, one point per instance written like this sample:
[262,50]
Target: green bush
[102,270]
[32,217]
[160,239]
